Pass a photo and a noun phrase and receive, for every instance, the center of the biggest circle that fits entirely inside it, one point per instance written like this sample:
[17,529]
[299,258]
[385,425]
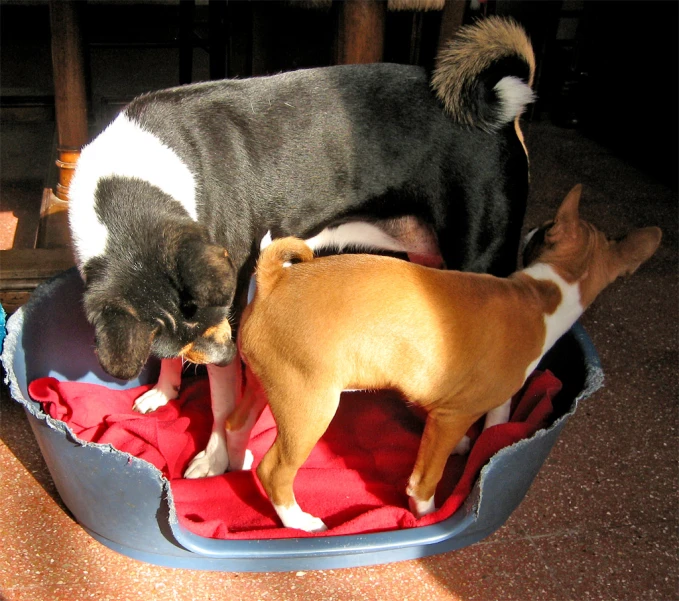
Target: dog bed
[119,472]
[355,478]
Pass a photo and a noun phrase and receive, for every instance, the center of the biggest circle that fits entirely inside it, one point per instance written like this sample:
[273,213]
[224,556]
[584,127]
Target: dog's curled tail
[484,74]
[276,257]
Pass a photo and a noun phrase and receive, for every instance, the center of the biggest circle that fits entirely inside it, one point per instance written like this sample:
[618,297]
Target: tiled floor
[600,521]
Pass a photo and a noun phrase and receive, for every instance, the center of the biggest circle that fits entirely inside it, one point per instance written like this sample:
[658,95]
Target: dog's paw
[463,446]
[421,508]
[294,517]
[249,460]
[309,523]
[154,399]
[210,462]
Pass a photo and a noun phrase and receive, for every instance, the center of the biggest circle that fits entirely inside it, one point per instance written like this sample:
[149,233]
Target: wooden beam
[22,270]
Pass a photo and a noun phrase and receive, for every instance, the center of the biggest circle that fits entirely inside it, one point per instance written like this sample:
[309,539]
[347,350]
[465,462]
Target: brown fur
[454,344]
[416,4]
[218,334]
[472,51]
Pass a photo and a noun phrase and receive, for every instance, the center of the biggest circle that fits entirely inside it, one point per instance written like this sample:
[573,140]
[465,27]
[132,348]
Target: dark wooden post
[69,89]
[218,16]
[361,35]
[187,11]
[451,20]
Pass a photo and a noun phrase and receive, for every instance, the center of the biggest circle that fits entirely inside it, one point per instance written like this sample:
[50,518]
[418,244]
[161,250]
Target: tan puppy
[456,344]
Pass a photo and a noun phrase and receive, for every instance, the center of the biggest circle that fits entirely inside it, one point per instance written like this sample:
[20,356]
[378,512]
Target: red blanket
[354,480]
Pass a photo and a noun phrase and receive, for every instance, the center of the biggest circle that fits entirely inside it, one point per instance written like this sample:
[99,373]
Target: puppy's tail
[275,258]
[485,73]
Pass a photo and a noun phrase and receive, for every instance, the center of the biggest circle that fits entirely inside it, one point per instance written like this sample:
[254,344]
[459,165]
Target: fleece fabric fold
[354,479]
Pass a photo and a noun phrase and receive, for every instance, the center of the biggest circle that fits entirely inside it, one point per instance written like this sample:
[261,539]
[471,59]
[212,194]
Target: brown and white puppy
[457,345]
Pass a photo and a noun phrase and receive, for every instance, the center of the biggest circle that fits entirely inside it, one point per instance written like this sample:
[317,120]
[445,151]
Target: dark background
[607,68]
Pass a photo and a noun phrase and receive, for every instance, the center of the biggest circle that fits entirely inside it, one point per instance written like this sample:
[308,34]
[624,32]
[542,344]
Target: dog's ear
[206,273]
[123,343]
[633,250]
[567,217]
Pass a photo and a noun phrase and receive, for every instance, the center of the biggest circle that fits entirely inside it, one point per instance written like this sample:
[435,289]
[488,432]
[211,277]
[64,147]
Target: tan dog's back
[421,332]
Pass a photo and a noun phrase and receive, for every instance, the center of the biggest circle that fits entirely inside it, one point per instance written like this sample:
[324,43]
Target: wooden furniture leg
[69,88]
[70,99]
[451,20]
[361,35]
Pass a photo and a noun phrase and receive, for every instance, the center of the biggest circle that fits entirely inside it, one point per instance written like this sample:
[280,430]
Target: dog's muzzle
[205,351]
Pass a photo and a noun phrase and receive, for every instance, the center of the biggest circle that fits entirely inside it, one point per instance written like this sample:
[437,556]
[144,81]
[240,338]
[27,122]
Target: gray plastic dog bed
[127,504]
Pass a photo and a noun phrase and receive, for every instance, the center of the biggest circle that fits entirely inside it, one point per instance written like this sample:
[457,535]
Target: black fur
[292,154]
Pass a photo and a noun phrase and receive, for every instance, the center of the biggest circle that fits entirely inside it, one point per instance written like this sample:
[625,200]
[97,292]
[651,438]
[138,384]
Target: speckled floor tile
[489,571]
[622,564]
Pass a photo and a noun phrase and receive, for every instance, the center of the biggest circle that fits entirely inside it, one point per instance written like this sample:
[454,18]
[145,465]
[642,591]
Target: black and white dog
[169,204]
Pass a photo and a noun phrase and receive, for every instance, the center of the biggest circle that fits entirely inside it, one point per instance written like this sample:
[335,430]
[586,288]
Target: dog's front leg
[166,389]
[214,460]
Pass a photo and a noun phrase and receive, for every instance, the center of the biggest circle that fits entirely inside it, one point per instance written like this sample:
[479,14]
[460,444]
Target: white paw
[208,463]
[463,446]
[294,517]
[421,508]
[309,523]
[153,399]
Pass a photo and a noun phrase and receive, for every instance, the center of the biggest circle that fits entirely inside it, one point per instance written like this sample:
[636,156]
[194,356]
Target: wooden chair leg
[69,88]
[361,31]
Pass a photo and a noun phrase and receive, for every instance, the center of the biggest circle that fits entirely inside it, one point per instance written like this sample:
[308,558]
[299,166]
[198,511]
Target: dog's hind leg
[166,389]
[240,423]
[499,415]
[298,432]
[438,441]
[495,417]
[214,460]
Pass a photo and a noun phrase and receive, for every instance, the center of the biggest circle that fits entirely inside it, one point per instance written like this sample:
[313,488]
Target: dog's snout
[214,346]
[228,356]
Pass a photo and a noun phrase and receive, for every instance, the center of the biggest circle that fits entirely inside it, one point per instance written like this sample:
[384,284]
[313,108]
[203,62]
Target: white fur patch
[127,150]
[499,415]
[421,508]
[266,241]
[566,314]
[515,94]
[462,447]
[357,234]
